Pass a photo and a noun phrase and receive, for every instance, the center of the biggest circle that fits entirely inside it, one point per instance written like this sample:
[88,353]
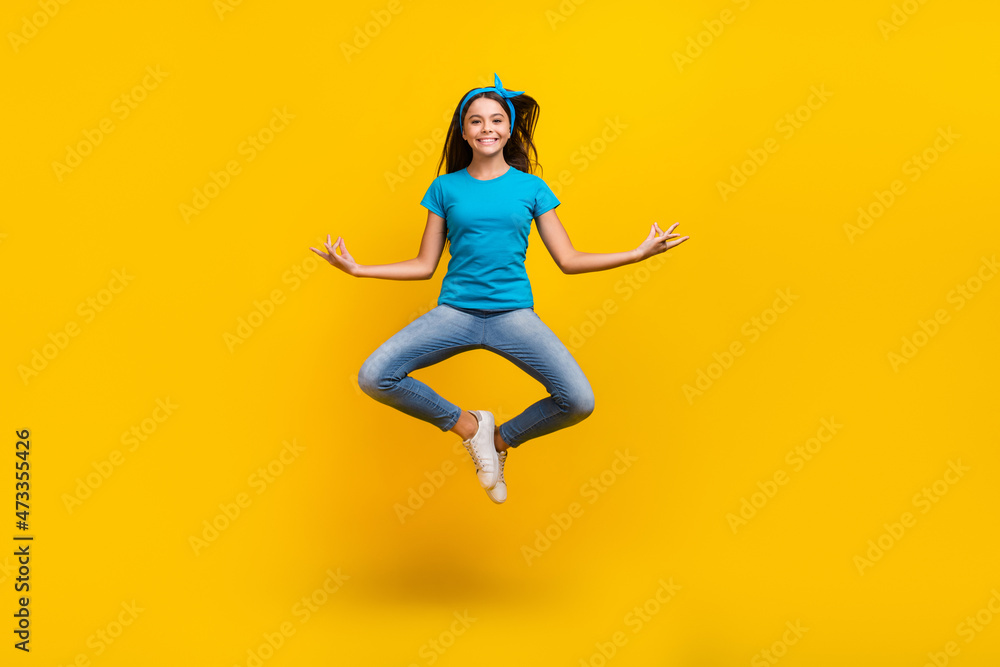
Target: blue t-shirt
[488,225]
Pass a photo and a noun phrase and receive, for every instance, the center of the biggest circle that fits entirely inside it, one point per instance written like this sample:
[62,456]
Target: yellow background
[356,117]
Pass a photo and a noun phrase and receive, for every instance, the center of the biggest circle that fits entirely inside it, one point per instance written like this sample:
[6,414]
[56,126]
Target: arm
[422,267]
[571,260]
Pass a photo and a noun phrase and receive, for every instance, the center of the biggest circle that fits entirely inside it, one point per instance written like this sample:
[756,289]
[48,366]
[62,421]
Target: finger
[672,226]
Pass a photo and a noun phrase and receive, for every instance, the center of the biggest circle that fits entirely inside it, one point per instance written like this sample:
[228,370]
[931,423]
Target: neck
[485,168]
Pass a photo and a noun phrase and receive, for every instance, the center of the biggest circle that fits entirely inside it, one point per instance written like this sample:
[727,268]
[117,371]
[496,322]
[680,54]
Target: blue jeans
[515,334]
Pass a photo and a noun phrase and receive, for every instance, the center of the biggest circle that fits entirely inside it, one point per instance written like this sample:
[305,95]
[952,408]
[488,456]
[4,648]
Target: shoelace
[472,452]
[503,457]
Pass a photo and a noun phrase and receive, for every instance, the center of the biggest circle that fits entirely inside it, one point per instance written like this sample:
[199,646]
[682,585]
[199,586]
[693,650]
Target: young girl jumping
[483,206]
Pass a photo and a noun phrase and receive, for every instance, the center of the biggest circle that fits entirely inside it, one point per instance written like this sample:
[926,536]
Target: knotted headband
[499,90]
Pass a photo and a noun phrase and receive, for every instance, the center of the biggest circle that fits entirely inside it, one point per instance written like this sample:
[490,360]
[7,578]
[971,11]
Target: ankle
[467,425]
[498,442]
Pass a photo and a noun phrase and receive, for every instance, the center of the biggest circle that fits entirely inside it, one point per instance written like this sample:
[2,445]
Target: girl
[483,206]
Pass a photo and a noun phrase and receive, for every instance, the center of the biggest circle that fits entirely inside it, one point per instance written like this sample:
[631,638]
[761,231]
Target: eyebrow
[475,115]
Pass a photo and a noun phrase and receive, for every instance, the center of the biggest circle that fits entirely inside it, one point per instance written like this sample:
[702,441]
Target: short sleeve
[434,198]
[545,199]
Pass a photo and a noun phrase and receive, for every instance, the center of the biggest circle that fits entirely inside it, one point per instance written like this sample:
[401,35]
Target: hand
[343,261]
[659,241]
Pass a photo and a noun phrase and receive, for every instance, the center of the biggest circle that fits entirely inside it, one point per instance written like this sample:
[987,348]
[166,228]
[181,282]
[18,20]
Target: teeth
[487,141]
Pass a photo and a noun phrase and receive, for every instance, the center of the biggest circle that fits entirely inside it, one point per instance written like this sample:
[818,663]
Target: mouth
[487,142]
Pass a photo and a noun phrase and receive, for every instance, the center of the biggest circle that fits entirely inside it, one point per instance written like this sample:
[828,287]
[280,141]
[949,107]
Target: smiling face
[486,127]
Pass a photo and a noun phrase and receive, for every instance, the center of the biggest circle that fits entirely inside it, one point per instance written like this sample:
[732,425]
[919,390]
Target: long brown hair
[457,154]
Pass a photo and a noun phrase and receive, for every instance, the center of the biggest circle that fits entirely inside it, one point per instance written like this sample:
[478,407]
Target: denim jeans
[515,334]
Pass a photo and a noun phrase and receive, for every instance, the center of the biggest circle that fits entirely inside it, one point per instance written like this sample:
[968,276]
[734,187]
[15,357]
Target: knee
[370,377]
[580,403]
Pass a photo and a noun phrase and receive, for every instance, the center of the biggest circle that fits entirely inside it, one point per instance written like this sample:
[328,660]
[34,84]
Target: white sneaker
[498,493]
[483,452]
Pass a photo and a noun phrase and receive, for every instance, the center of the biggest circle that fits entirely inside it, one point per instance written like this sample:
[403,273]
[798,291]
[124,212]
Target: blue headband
[499,90]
